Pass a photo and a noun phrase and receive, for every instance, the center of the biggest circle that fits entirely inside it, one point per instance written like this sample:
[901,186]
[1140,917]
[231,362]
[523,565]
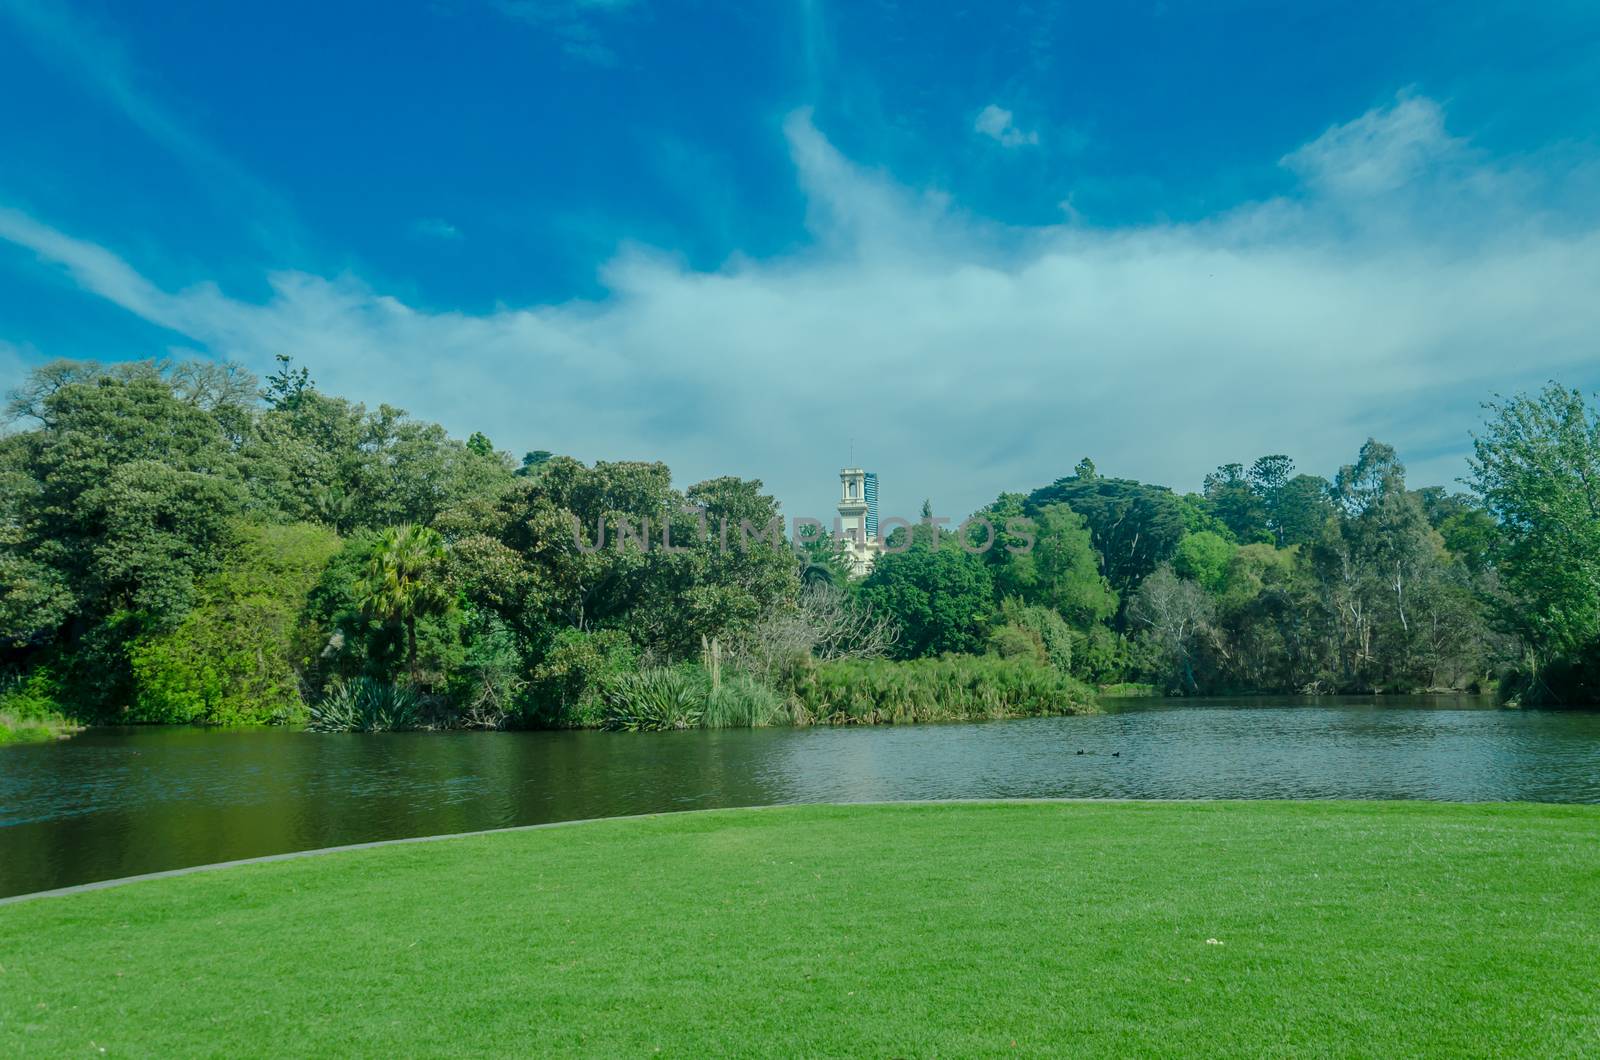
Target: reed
[948,688]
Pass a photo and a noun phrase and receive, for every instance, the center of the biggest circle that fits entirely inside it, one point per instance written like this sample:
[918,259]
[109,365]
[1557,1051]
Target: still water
[116,802]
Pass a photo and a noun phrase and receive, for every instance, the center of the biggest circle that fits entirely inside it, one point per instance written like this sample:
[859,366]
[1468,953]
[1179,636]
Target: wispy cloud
[435,228]
[577,24]
[1000,125]
[964,356]
[97,61]
[1380,151]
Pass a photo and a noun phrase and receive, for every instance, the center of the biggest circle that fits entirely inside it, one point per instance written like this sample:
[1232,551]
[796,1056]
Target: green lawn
[1375,929]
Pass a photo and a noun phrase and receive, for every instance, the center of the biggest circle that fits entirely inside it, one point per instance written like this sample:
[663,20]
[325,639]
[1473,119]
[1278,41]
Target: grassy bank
[1091,929]
[14,729]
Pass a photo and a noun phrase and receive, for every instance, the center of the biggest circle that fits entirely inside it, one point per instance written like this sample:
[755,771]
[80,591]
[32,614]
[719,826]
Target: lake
[117,802]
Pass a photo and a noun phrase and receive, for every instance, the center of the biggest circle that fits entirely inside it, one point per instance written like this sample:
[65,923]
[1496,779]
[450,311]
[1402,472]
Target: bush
[569,684]
[365,705]
[33,696]
[1048,628]
[1014,642]
[654,700]
[948,688]
[1103,657]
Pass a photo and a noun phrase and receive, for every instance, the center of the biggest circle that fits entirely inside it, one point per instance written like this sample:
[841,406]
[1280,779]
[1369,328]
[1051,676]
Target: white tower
[860,538]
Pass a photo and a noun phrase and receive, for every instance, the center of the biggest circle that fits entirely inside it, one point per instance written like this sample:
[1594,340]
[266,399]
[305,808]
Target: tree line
[183,542]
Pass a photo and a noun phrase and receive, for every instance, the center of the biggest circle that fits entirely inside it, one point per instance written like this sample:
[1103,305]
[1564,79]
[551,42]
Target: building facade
[858,518]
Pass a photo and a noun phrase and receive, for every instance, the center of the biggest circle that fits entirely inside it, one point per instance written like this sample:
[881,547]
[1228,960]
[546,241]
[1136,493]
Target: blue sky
[979,240]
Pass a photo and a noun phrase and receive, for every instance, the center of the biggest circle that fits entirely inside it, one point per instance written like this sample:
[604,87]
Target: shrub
[365,705]
[1050,631]
[1015,642]
[569,684]
[34,695]
[657,699]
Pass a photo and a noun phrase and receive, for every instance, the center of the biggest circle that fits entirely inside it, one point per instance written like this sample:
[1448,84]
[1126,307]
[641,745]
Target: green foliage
[943,597]
[168,552]
[1171,615]
[34,729]
[1537,468]
[740,702]
[947,688]
[1300,510]
[33,696]
[365,705]
[1203,557]
[1045,629]
[569,684]
[1061,571]
[117,503]
[1129,690]
[404,581]
[1235,501]
[485,686]
[1198,517]
[1134,526]
[656,700]
[1102,657]
[236,657]
[1015,642]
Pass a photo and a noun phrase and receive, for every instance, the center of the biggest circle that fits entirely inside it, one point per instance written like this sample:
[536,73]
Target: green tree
[1234,500]
[1172,615]
[404,582]
[942,597]
[1134,526]
[1301,509]
[1203,558]
[1061,571]
[1537,467]
[239,654]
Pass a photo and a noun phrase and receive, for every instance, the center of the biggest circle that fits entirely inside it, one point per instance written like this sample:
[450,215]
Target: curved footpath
[894,929]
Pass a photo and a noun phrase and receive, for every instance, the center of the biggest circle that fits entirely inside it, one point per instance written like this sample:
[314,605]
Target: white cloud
[1380,151]
[963,357]
[999,125]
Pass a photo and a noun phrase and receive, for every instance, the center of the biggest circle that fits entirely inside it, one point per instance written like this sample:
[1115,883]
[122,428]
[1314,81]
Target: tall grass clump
[656,700]
[948,688]
[365,705]
[742,702]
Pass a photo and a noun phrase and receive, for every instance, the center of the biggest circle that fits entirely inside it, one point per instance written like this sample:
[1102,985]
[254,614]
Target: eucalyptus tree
[1537,467]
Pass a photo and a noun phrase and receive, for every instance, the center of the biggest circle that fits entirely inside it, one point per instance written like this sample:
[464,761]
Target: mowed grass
[1373,929]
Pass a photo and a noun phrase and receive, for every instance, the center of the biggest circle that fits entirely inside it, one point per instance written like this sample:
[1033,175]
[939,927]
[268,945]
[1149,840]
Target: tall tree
[1537,467]
[1134,526]
[1234,500]
[1060,571]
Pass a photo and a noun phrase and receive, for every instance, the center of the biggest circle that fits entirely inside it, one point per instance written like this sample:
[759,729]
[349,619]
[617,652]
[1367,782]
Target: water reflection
[117,802]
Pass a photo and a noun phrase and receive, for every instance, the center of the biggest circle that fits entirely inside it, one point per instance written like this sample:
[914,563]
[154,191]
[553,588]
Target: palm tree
[405,581]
